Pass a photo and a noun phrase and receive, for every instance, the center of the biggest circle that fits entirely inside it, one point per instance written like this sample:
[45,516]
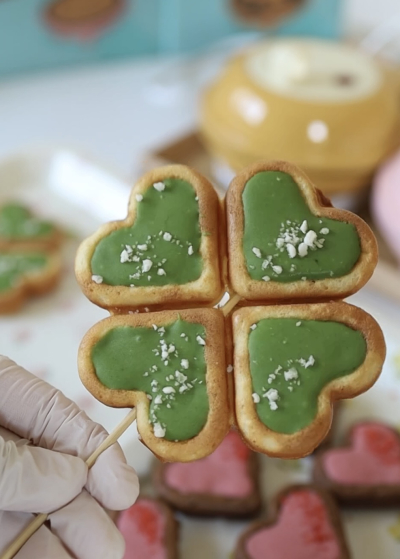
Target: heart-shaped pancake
[365,472]
[285,241]
[25,273]
[19,228]
[225,483]
[169,365]
[291,362]
[150,530]
[304,525]
[164,254]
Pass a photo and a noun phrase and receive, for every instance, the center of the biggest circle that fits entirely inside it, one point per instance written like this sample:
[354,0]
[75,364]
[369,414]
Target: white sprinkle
[277,269]
[256,398]
[266,278]
[139,197]
[265,264]
[154,326]
[291,250]
[303,250]
[180,377]
[168,389]
[135,258]
[167,236]
[190,250]
[253,326]
[161,272]
[159,431]
[291,374]
[280,242]
[146,265]
[304,227]
[324,231]
[310,362]
[171,348]
[185,363]
[124,256]
[158,399]
[273,406]
[256,251]
[97,279]
[160,186]
[310,238]
[272,394]
[183,335]
[298,323]
[142,247]
[229,369]
[200,340]
[166,362]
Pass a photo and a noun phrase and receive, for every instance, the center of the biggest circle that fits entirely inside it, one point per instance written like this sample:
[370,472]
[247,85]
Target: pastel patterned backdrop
[33,36]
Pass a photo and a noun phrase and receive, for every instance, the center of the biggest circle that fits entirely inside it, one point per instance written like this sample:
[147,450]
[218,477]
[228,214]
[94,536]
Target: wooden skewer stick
[40,519]
[230,305]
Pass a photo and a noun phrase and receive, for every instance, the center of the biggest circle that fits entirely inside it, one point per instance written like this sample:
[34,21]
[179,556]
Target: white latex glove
[44,440]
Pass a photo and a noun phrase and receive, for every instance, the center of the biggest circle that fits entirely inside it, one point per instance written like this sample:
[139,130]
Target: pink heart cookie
[367,471]
[224,483]
[305,525]
[149,529]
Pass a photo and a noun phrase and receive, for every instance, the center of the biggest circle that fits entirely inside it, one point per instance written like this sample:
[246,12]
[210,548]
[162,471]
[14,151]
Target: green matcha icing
[17,223]
[283,241]
[295,359]
[168,364]
[161,248]
[13,266]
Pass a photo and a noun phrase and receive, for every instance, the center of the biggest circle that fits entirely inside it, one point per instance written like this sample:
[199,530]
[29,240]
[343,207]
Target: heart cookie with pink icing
[150,530]
[305,524]
[225,483]
[366,472]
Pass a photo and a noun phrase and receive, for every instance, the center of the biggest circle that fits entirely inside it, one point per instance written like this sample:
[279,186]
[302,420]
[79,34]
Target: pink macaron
[385,203]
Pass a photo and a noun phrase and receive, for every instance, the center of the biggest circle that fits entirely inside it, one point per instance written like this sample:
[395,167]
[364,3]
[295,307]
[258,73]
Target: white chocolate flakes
[159,430]
[303,250]
[256,251]
[185,363]
[304,227]
[160,186]
[146,265]
[291,374]
[161,272]
[324,231]
[138,197]
[200,340]
[266,278]
[291,250]
[256,398]
[97,279]
[272,396]
[167,236]
[310,238]
[190,250]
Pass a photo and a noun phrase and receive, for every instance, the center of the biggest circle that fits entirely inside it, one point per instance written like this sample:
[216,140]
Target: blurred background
[95,92]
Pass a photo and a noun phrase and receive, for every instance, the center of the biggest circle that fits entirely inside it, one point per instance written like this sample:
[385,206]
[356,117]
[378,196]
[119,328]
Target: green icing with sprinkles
[168,364]
[284,241]
[291,360]
[17,223]
[14,266]
[162,247]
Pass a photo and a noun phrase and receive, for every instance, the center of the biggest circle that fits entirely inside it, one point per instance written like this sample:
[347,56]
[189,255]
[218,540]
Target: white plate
[44,337]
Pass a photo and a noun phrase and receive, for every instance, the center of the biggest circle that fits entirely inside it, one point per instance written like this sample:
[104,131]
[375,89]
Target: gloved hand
[44,440]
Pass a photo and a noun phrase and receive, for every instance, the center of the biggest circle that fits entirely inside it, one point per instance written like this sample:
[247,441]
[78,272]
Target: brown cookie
[165,254]
[304,522]
[149,529]
[265,12]
[171,366]
[291,363]
[287,243]
[365,472]
[24,274]
[225,483]
[21,229]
